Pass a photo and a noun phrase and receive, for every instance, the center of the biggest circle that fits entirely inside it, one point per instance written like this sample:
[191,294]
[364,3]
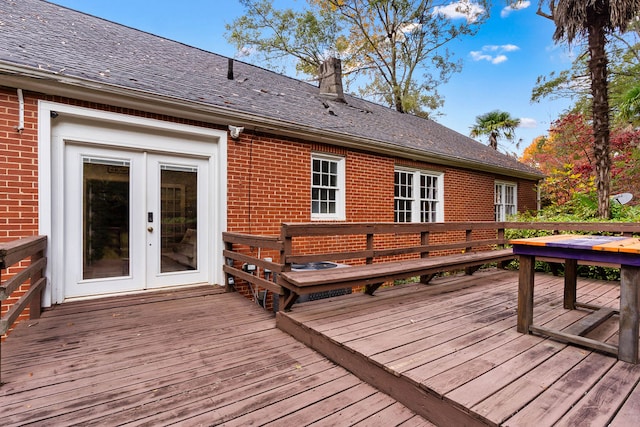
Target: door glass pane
[105,233]
[178,218]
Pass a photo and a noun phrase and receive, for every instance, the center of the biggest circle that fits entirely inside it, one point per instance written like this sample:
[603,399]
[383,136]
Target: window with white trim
[506,200]
[418,196]
[327,187]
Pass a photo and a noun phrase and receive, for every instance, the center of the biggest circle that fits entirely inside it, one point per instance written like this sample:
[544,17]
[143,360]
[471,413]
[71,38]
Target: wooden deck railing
[10,254]
[243,250]
[430,237]
[366,243]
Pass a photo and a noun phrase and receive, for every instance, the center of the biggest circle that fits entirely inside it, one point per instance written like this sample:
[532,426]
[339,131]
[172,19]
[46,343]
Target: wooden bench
[372,276]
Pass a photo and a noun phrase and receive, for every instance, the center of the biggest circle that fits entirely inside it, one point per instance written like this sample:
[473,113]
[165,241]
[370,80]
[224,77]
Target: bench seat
[371,276]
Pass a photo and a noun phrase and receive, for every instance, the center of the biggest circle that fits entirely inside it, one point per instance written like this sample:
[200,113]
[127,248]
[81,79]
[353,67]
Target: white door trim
[72,123]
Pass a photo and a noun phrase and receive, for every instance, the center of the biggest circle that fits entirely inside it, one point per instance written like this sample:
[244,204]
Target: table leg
[570,283]
[629,313]
[525,293]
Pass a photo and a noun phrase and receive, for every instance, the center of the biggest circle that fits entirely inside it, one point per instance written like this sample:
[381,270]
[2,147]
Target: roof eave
[91,91]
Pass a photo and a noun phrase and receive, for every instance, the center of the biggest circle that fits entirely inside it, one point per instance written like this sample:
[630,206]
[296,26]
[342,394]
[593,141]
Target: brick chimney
[330,74]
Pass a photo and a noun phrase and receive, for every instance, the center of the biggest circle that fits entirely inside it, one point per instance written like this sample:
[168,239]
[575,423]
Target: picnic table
[624,251]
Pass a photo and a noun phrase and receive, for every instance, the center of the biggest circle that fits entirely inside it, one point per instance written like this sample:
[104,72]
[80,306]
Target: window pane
[505,201]
[428,200]
[324,191]
[105,204]
[178,219]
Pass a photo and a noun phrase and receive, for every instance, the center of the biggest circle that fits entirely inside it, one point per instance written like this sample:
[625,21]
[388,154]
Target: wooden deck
[189,357]
[451,352]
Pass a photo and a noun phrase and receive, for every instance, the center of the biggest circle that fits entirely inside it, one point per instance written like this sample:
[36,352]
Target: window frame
[500,206]
[340,188]
[415,198]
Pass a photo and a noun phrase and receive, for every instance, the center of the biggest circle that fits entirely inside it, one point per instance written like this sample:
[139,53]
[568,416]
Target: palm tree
[496,124]
[594,19]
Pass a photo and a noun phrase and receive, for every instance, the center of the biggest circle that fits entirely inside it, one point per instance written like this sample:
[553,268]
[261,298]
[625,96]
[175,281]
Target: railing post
[287,248]
[500,236]
[1,267]
[369,259]
[469,238]
[424,241]
[229,284]
[35,306]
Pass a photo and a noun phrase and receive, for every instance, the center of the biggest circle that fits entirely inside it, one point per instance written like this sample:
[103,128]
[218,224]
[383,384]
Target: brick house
[133,153]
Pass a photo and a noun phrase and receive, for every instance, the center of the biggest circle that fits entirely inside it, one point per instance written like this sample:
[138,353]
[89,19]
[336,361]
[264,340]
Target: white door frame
[58,123]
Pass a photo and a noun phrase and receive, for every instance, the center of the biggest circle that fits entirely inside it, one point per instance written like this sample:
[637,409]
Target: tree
[395,50]
[594,19]
[566,157]
[496,124]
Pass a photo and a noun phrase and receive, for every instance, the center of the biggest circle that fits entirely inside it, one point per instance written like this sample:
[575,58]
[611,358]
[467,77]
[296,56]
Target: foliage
[593,21]
[623,51]
[495,124]
[581,208]
[394,50]
[271,36]
[566,158]
[629,105]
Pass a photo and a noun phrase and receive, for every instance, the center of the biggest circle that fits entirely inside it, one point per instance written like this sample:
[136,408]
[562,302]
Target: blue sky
[500,63]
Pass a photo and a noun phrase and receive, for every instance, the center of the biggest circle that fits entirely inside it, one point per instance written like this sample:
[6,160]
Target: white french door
[133,220]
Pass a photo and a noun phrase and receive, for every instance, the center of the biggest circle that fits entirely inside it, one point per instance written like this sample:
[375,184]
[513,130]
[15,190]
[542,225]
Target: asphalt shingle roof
[44,37]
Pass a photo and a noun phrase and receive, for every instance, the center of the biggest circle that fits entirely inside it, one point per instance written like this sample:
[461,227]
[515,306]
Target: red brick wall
[527,196]
[468,196]
[18,180]
[268,178]
[18,169]
[269,182]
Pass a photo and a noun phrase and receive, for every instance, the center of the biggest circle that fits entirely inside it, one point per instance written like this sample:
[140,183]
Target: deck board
[448,352]
[192,356]
[457,341]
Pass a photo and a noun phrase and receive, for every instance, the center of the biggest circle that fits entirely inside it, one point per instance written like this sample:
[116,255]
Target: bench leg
[470,270]
[370,289]
[289,298]
[426,278]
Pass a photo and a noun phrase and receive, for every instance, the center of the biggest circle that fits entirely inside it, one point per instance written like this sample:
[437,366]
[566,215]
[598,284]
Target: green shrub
[581,208]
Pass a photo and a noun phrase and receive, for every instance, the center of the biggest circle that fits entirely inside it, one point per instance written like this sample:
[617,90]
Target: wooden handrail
[425,231]
[234,256]
[430,239]
[468,240]
[12,253]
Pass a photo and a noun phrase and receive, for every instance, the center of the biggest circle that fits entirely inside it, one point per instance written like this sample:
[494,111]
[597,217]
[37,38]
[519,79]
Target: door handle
[150,229]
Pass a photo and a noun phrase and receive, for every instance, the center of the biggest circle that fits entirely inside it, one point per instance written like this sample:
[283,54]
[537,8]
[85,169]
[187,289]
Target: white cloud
[509,47]
[499,59]
[479,56]
[528,123]
[461,9]
[522,4]
[493,53]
